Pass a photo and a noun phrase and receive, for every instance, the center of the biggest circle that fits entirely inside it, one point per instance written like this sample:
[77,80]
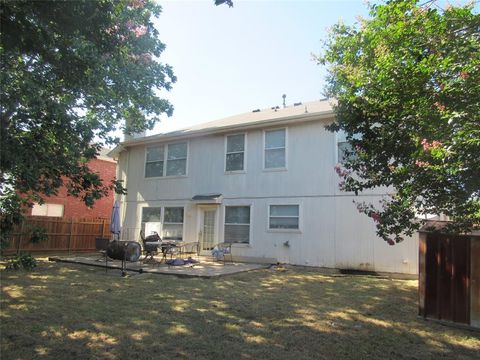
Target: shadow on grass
[68,311]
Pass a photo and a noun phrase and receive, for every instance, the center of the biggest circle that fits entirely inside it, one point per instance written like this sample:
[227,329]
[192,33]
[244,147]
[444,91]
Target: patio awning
[207,199]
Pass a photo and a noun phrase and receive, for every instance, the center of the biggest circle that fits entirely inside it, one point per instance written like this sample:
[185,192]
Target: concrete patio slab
[204,268]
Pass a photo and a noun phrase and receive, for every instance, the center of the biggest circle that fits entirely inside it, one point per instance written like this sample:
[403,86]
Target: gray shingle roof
[270,116]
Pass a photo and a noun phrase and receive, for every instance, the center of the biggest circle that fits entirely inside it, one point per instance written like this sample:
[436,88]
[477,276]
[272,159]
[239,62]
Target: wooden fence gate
[448,278]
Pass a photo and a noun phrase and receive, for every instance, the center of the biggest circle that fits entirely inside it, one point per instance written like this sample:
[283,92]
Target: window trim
[146,161]
[250,238]
[284,168]
[163,221]
[340,138]
[141,217]
[162,218]
[300,217]
[244,171]
[46,206]
[165,161]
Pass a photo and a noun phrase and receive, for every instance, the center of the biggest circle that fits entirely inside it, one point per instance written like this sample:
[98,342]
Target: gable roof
[313,110]
[103,154]
[258,116]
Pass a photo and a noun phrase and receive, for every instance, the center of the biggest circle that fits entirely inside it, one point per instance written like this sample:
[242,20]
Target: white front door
[207,230]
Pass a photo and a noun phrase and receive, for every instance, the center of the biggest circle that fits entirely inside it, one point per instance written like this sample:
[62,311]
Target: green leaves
[71,73]
[23,260]
[408,81]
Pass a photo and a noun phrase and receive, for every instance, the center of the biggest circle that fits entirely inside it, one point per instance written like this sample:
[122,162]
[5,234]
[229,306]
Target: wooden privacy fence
[63,234]
[449,275]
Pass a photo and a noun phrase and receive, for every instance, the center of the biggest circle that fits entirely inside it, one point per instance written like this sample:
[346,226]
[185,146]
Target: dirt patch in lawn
[65,311]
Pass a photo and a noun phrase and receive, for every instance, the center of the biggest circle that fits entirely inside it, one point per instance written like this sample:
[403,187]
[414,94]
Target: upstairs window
[155,160]
[177,159]
[235,154]
[345,151]
[275,149]
[237,224]
[166,160]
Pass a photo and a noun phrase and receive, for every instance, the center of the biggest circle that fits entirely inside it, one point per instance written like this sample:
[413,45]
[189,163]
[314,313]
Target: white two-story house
[264,181]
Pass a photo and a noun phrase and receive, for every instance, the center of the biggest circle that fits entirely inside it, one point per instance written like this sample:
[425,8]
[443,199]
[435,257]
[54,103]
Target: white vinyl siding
[237,224]
[53,210]
[275,149]
[173,223]
[235,153]
[166,160]
[284,217]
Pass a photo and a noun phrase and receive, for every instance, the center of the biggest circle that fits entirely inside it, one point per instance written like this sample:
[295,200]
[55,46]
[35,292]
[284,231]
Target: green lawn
[62,311]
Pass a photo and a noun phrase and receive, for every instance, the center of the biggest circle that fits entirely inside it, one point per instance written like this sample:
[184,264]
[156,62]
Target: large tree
[407,81]
[71,73]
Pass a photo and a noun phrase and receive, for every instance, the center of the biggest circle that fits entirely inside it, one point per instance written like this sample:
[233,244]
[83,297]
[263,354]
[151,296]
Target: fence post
[21,236]
[70,236]
[103,228]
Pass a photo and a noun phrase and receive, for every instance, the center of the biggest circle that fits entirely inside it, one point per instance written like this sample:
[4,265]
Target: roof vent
[297,104]
[256,110]
[284,96]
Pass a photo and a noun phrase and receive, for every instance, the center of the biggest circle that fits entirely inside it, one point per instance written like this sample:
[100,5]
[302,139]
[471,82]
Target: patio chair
[169,248]
[221,251]
[188,248]
[151,245]
[101,245]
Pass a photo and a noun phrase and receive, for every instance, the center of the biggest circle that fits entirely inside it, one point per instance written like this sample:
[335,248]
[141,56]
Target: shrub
[38,234]
[22,260]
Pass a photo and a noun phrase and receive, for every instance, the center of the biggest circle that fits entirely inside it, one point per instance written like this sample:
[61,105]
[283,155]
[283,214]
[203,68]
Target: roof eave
[115,152]
[224,129]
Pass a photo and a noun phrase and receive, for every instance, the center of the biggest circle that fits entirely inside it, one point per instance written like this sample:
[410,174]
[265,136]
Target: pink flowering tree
[71,73]
[407,81]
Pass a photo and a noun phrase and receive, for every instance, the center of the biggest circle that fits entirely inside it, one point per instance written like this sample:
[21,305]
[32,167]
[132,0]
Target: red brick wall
[75,208]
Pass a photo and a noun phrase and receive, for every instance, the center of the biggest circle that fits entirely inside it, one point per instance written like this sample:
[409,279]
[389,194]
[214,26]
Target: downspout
[124,203]
[122,198]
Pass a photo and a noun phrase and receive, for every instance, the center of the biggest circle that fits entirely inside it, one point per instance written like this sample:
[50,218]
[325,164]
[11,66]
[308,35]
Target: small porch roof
[207,199]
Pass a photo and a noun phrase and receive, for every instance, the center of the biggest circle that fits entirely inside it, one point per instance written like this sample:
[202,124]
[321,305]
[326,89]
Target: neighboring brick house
[62,205]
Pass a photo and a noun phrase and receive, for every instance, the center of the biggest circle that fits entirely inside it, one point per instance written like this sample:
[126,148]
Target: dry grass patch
[62,311]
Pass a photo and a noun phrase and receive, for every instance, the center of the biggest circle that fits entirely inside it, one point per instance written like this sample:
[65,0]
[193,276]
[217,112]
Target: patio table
[167,248]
